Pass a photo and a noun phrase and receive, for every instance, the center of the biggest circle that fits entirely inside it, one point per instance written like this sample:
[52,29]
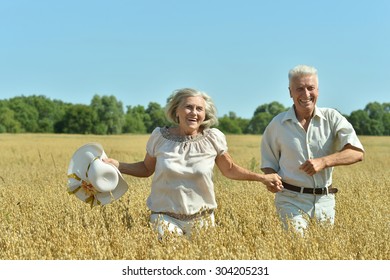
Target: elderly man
[303,145]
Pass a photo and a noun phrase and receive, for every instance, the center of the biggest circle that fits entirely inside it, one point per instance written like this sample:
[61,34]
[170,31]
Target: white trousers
[164,223]
[298,208]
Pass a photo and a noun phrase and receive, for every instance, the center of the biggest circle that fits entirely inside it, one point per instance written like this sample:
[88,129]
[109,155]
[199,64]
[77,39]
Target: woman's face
[191,113]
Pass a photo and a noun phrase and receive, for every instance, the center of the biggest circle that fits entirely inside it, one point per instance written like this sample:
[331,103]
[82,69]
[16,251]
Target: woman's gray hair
[302,70]
[174,101]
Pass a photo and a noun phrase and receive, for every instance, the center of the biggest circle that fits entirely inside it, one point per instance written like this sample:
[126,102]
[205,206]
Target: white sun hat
[92,180]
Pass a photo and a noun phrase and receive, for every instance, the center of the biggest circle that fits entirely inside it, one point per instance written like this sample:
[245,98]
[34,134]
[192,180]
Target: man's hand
[312,166]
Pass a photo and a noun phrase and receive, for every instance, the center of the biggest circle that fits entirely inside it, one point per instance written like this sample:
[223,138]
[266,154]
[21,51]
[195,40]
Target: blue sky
[237,51]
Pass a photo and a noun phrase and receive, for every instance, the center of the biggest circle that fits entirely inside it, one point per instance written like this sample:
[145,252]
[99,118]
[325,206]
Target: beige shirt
[183,178]
[286,145]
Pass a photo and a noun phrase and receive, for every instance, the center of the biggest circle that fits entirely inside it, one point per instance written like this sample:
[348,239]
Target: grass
[39,220]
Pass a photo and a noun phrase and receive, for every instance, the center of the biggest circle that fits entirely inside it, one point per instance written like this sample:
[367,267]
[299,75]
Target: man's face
[304,92]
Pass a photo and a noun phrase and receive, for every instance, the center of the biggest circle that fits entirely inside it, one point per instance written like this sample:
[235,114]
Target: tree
[157,117]
[259,122]
[49,112]
[360,121]
[7,120]
[386,124]
[263,115]
[105,115]
[376,127]
[233,124]
[135,119]
[79,119]
[375,110]
[373,120]
[386,107]
[229,124]
[110,116]
[273,108]
[26,114]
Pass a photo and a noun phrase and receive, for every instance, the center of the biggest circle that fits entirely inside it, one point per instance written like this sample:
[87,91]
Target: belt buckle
[324,191]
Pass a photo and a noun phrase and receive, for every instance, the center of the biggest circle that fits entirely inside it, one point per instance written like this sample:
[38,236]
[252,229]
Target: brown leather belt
[315,191]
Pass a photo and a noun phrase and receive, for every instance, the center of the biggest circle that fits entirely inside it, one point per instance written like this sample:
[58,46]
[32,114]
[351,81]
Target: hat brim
[82,157]
[77,173]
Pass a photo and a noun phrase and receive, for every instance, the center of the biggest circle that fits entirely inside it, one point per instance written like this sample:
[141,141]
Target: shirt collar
[290,114]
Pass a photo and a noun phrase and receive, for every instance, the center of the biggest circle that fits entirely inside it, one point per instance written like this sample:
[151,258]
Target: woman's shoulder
[156,132]
[215,135]
[214,132]
[217,138]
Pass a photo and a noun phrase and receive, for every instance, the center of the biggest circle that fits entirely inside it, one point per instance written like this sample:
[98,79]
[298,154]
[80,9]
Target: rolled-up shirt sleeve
[345,133]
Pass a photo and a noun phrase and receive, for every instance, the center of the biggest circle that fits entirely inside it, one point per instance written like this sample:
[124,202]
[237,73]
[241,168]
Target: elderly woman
[182,159]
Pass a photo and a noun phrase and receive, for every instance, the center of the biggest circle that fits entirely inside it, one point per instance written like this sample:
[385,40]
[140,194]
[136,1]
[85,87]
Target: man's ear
[290,91]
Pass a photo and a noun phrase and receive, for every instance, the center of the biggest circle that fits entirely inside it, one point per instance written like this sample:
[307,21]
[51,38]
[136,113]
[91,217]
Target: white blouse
[183,178]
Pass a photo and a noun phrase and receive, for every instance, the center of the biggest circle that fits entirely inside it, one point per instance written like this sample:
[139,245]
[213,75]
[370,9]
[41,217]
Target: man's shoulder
[277,121]
[288,114]
[329,112]
[281,115]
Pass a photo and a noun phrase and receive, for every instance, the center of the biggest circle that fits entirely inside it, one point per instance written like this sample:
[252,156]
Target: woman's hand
[111,161]
[273,182]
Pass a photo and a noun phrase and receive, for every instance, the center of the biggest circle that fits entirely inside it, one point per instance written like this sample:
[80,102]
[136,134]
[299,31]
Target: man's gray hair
[302,70]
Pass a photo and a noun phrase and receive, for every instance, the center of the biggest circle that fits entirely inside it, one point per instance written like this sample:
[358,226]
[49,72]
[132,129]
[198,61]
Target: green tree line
[106,115]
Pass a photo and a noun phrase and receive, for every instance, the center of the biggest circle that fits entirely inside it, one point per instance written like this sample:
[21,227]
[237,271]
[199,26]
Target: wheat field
[39,220]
